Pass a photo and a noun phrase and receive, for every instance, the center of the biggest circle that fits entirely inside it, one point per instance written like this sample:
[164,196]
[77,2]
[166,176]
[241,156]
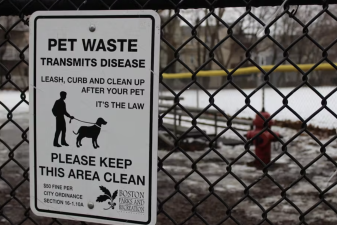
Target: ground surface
[304,101]
[210,209]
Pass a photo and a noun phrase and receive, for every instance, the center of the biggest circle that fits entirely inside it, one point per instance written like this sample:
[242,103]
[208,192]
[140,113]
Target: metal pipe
[251,70]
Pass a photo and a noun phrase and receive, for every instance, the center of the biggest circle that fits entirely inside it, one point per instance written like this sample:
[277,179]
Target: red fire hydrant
[263,141]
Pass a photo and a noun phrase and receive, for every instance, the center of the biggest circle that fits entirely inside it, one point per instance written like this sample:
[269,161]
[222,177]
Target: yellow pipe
[249,70]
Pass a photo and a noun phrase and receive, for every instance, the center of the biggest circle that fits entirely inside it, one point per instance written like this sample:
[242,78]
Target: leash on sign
[83,121]
[80,120]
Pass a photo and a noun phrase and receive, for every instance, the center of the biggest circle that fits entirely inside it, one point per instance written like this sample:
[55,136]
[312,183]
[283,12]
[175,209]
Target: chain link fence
[202,178]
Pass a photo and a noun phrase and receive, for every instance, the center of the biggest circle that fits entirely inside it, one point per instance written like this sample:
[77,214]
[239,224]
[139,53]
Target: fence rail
[205,182]
[250,70]
[26,7]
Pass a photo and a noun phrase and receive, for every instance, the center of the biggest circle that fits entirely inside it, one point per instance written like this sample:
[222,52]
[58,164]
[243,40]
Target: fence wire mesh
[202,177]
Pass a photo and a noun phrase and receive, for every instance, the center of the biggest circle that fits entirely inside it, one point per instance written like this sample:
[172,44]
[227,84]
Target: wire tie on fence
[327,183]
[271,18]
[293,13]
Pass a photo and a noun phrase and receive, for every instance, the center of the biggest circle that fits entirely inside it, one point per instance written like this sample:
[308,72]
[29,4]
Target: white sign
[93,115]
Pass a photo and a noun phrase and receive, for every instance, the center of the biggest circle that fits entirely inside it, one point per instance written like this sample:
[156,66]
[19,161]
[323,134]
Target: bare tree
[288,31]
[18,37]
[168,33]
[246,33]
[4,21]
[211,38]
[285,31]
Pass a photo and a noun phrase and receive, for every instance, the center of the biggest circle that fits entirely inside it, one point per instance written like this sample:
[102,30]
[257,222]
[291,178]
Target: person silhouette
[59,110]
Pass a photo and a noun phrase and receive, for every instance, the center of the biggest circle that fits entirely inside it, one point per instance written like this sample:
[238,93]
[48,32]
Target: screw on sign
[263,141]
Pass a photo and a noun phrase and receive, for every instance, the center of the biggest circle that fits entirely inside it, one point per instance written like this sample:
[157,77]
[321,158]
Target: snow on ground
[11,99]
[285,171]
[304,101]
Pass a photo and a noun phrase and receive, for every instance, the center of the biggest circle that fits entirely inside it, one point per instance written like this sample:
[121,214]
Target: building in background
[185,49]
[14,38]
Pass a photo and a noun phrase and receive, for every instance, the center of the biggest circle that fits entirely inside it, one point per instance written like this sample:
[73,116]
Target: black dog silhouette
[90,132]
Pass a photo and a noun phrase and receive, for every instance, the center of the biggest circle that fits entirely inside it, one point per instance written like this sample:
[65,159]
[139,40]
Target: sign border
[143,14]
